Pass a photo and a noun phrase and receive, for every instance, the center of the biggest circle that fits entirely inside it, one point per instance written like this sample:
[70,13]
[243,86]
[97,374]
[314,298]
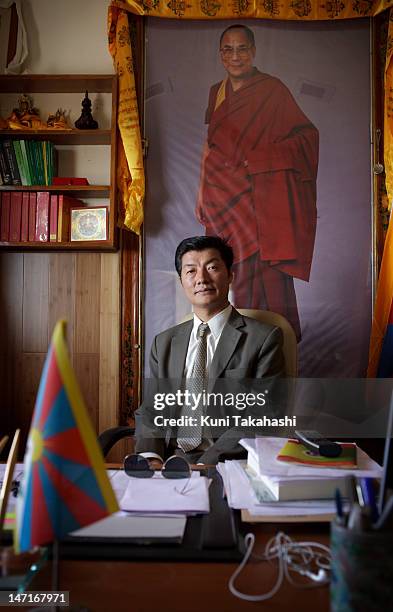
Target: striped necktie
[189,438]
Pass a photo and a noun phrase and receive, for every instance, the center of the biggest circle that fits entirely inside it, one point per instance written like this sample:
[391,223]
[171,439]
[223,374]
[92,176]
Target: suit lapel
[226,347]
[178,352]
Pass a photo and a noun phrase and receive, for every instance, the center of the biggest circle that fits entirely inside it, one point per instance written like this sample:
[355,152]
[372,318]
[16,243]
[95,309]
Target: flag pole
[7,482]
[55,570]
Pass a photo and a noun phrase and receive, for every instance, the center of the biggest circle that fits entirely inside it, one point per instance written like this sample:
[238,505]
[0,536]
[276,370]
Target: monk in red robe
[258,183]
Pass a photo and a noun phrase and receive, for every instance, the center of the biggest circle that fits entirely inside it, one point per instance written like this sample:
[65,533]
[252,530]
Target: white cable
[291,557]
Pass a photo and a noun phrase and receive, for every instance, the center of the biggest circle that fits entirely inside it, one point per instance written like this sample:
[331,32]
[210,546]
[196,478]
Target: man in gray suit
[234,348]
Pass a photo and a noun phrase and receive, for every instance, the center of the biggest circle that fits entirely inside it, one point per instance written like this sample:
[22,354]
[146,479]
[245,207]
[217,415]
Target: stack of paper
[245,488]
[162,495]
[241,496]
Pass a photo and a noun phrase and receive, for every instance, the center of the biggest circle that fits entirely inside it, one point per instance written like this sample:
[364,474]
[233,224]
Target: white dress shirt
[216,325]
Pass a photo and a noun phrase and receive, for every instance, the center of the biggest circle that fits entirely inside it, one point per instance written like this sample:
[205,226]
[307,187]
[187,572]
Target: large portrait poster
[308,110]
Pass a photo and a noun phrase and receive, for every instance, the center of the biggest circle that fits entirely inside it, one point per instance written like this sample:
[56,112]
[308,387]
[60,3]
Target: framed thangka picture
[280,167]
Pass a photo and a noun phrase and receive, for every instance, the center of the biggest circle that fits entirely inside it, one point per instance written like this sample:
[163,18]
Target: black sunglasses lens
[176,467]
[137,466]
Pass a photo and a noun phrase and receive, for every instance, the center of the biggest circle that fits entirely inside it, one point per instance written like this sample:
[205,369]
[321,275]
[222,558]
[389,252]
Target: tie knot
[203,329]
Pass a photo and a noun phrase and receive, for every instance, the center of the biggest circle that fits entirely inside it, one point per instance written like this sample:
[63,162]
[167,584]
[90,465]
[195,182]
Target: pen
[340,518]
[368,492]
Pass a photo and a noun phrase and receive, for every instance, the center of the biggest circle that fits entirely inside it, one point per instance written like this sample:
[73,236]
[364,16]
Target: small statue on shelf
[25,116]
[58,121]
[86,121]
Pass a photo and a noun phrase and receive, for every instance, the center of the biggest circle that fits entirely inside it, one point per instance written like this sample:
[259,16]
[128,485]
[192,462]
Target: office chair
[273,318]
[109,437]
[290,342]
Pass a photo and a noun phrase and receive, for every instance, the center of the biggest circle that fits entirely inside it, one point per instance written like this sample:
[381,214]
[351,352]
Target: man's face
[205,280]
[237,54]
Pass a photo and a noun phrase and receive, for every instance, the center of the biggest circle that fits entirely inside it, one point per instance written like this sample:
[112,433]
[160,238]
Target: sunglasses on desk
[139,467]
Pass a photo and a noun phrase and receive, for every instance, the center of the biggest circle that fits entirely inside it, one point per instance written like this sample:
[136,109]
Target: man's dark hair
[200,243]
[249,33]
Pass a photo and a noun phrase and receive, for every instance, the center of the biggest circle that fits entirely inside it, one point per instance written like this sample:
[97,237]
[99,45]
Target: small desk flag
[65,485]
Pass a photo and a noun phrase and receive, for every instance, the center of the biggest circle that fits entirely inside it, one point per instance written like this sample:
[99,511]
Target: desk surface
[124,586]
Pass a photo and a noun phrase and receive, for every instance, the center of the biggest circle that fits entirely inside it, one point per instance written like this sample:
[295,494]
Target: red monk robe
[258,189]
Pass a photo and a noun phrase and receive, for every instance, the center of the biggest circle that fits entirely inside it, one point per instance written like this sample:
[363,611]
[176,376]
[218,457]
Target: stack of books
[27,162]
[269,487]
[35,216]
[287,470]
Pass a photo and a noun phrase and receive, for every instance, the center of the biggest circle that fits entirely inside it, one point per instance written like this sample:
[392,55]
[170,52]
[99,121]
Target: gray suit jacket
[247,349]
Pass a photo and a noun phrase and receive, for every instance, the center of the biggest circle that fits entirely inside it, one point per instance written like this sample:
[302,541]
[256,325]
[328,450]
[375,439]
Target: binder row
[27,162]
[35,216]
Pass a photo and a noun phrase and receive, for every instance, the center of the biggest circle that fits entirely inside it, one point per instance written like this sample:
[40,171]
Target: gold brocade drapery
[130,173]
[301,10]
[388,113]
[383,301]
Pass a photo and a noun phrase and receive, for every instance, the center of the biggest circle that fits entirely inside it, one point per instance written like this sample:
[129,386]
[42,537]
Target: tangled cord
[299,557]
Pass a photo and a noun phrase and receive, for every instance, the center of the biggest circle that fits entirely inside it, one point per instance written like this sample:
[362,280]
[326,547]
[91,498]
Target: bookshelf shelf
[78,191]
[67,137]
[90,245]
[61,84]
[56,83]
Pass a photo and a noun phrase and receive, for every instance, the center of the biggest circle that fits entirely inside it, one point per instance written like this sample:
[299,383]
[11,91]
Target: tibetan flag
[380,363]
[65,485]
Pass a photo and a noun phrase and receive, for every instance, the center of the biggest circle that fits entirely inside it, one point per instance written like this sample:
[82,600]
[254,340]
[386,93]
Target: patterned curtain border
[294,10]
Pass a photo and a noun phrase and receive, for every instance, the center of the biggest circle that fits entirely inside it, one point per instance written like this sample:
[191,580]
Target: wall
[38,288]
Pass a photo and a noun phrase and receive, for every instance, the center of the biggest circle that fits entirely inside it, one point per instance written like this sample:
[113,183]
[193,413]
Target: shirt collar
[216,323]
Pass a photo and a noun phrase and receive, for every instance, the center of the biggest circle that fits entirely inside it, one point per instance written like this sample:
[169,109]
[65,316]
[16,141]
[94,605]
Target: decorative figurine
[58,121]
[25,116]
[86,121]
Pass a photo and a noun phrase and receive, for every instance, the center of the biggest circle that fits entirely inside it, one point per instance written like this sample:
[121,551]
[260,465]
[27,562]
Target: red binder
[5,216]
[42,217]
[32,215]
[53,219]
[24,227]
[15,216]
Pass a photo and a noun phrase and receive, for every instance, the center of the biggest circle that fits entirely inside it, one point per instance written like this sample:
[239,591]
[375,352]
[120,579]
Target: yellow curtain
[304,10]
[130,174]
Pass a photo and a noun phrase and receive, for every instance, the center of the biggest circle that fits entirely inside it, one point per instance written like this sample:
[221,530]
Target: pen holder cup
[362,570]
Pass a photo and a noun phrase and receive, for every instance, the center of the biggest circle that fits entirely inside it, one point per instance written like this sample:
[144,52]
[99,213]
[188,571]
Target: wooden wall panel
[87,373]
[62,293]
[29,379]
[35,302]
[11,305]
[87,303]
[36,289]
[109,341]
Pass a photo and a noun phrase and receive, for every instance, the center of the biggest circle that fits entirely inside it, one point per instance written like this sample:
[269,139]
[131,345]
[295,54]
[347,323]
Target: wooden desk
[103,586]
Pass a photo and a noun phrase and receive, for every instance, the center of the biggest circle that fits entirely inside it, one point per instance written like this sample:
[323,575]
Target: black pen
[340,518]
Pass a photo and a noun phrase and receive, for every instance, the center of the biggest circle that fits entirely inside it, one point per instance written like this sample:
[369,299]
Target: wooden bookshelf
[78,191]
[33,84]
[67,137]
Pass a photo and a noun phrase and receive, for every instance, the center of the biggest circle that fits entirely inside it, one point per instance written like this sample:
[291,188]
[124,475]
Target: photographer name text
[233,420]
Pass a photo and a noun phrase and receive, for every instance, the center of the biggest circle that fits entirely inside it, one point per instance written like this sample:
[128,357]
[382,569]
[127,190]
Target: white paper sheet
[125,525]
[160,494]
